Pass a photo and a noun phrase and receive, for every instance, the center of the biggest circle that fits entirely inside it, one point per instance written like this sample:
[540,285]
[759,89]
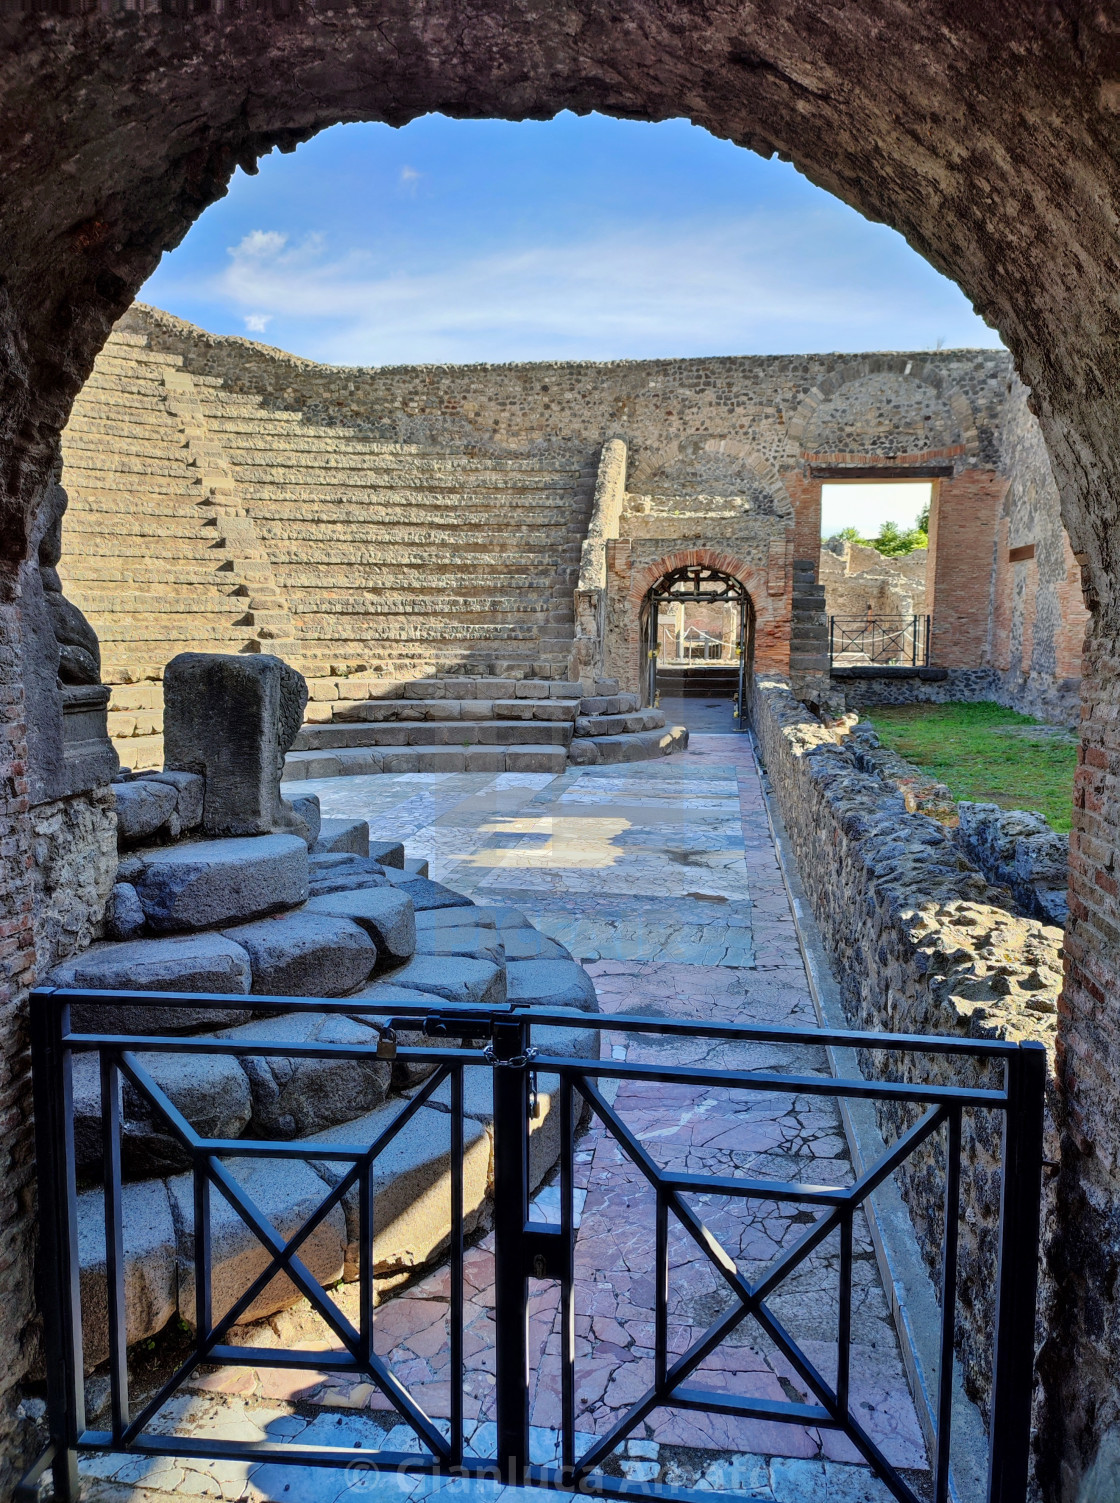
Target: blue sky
[573,238]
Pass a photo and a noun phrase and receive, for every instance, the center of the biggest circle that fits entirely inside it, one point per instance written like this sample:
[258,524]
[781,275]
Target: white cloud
[410,177]
[752,283]
[259,243]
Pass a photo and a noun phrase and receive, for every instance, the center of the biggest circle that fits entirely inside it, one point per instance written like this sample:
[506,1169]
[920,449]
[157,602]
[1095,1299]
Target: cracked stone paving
[663,879]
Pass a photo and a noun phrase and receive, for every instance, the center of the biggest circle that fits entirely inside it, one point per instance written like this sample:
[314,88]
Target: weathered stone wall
[699,411]
[967,684]
[75,856]
[856,577]
[920,943]
[17,974]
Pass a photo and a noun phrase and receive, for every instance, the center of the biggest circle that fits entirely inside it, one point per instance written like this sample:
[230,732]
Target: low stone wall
[961,684]
[1017,849]
[1047,698]
[919,943]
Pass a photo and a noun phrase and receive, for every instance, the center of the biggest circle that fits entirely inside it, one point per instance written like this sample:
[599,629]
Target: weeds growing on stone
[986,753]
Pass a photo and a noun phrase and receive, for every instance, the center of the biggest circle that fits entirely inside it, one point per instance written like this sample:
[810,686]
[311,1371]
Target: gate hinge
[546,1252]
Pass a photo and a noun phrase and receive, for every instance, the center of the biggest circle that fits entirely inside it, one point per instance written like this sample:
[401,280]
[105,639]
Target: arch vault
[988,135]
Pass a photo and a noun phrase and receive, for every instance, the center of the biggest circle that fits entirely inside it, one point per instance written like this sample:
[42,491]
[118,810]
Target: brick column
[964,516]
[805,493]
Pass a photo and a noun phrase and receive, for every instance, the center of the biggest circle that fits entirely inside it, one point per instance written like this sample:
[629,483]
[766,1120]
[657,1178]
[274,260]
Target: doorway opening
[697,647]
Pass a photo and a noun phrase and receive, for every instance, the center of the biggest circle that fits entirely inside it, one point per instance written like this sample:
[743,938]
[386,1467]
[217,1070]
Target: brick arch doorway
[698,584]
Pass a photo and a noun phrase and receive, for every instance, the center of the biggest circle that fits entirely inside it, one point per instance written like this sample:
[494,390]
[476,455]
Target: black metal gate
[890,641]
[498,1040]
[696,584]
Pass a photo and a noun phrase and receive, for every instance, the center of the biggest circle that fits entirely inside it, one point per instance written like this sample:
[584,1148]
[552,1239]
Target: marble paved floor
[662,878]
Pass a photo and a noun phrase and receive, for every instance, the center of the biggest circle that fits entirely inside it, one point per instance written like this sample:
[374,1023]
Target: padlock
[534,1099]
[387,1044]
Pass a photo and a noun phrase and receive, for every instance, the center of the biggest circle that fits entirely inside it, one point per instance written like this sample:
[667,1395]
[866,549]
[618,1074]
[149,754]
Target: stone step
[333,460]
[217,882]
[619,725]
[373,711]
[89,451]
[323,1102]
[366,761]
[443,733]
[609,704]
[639,747]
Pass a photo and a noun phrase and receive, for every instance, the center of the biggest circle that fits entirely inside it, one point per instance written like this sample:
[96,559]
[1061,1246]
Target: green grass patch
[985,753]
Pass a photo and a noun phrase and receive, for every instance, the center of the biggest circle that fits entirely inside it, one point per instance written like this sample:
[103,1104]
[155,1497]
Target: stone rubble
[920,943]
[298,908]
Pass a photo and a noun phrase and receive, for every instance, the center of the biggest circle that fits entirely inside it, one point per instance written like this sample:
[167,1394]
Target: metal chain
[518,1062]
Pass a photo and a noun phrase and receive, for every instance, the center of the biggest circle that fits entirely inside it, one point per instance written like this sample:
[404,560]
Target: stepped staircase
[343,921]
[720,682]
[204,520]
[483,724]
[137,557]
[395,559]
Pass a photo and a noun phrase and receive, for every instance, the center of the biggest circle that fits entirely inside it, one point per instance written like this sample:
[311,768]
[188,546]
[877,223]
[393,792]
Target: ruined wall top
[682,418]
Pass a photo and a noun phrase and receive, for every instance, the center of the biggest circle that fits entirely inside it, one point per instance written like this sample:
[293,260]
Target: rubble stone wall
[855,577]
[920,943]
[1038,615]
[75,856]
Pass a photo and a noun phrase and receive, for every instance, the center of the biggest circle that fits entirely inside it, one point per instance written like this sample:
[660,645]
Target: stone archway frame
[640,477]
[1002,169]
[771,613]
[898,365]
[749,576]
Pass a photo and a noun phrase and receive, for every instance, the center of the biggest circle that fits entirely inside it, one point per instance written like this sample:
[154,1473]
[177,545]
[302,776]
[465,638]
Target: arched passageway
[697,632]
[989,138]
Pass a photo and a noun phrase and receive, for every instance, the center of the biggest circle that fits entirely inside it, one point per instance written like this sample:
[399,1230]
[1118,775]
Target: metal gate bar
[888,640]
[524,1249]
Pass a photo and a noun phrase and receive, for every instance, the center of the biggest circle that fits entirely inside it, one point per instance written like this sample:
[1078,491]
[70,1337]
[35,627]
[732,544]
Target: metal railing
[523,1249]
[890,641]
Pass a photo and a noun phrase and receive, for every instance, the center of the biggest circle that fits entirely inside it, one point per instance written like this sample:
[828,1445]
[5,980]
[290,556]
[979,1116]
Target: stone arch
[770,614]
[643,475]
[150,112]
[963,438]
[1003,169]
[752,578]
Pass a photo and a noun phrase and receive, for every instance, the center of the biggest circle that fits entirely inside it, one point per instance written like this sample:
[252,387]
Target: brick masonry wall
[920,943]
[17,969]
[963,514]
[1081,1362]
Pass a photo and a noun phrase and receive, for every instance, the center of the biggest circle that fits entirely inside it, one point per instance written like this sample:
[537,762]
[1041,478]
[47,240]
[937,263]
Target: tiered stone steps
[481,725]
[204,520]
[382,937]
[136,555]
[392,556]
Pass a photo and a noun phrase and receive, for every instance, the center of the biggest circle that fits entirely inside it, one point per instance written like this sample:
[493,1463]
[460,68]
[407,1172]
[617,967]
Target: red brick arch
[749,575]
[771,612]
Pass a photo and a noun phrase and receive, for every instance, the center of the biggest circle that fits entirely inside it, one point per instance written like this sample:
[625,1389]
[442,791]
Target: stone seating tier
[478,724]
[380,935]
[343,553]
